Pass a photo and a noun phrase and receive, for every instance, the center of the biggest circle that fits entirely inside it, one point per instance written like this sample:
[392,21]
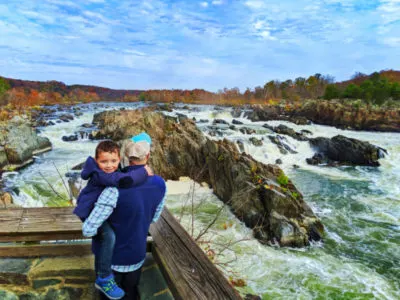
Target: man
[130,212]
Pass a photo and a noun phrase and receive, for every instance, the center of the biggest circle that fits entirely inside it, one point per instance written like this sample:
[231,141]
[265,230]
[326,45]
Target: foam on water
[359,207]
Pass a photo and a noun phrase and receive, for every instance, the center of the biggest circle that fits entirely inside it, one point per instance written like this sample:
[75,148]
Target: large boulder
[345,150]
[260,195]
[19,142]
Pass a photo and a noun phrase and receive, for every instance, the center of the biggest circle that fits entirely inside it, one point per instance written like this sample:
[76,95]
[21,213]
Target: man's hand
[149,170]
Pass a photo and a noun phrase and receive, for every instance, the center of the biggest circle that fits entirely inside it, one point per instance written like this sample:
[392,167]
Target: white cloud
[178,45]
[390,10]
[392,41]
[204,4]
[255,4]
[266,35]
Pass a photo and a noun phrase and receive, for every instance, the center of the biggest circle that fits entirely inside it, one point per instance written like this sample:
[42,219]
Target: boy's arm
[160,208]
[118,179]
[103,208]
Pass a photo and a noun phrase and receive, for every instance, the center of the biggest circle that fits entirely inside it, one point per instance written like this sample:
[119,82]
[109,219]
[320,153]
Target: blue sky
[151,44]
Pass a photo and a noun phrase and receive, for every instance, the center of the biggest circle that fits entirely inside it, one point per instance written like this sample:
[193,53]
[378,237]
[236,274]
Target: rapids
[359,206]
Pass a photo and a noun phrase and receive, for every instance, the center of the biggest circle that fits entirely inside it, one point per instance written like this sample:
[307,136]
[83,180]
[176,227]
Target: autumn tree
[4,87]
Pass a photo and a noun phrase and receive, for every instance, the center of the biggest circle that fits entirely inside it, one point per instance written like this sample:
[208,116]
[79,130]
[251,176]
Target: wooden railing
[32,232]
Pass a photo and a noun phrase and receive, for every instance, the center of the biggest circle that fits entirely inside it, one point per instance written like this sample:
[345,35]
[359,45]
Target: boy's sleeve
[160,207]
[120,180]
[102,210]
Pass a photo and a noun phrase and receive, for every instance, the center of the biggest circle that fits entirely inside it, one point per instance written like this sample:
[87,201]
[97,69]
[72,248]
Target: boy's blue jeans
[102,260]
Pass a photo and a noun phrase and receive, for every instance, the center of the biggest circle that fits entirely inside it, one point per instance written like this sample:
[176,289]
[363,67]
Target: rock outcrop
[342,114]
[344,150]
[260,195]
[19,143]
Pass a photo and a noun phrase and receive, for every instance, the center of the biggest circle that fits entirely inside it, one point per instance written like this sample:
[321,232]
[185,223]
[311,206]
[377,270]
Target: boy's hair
[107,146]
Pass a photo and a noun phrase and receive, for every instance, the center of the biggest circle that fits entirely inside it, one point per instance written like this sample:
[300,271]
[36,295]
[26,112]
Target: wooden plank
[9,220]
[190,274]
[39,224]
[45,250]
[65,249]
[45,236]
[49,219]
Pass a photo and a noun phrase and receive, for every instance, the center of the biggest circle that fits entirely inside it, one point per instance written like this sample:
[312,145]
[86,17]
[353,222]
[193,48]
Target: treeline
[50,92]
[375,88]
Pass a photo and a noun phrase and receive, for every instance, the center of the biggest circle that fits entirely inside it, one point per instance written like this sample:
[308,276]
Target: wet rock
[66,117]
[305,131]
[317,159]
[78,113]
[165,107]
[181,116]
[278,161]
[215,132]
[202,121]
[220,121]
[70,138]
[281,142]
[236,122]
[269,127]
[78,166]
[256,142]
[241,146]
[247,130]
[87,125]
[232,127]
[345,151]
[236,112]
[282,129]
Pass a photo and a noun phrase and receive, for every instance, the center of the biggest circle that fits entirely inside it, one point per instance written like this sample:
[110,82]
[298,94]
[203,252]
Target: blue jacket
[99,180]
[131,219]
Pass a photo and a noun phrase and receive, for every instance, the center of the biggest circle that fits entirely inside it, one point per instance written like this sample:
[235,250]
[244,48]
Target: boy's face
[108,161]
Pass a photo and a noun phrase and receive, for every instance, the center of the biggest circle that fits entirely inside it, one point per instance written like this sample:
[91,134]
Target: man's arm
[103,208]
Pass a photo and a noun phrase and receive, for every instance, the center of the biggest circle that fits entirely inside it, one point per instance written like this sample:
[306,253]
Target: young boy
[101,173]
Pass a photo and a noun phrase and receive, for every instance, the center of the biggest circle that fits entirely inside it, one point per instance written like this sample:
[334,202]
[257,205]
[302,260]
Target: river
[359,206]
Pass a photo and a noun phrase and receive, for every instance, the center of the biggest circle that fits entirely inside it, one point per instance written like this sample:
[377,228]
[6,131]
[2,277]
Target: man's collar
[132,167]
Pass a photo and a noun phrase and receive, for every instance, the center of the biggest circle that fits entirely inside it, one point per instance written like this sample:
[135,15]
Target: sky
[154,44]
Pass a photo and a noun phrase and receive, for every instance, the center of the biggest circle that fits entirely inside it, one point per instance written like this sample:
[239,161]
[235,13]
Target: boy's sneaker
[109,287]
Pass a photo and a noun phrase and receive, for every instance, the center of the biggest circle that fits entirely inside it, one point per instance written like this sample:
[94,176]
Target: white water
[359,207]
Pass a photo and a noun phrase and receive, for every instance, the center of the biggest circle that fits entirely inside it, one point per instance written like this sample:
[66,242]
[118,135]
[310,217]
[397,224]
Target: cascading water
[359,206]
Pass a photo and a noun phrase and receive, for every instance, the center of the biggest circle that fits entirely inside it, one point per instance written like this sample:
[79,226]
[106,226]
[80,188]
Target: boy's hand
[149,170]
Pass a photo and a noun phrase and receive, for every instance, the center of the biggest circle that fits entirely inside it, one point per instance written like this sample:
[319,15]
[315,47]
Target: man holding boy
[130,212]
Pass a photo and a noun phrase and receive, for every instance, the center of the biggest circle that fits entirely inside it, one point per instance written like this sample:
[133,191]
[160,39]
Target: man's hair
[107,146]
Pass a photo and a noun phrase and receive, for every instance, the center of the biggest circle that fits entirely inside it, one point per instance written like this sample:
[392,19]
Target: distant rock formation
[341,114]
[19,142]
[260,195]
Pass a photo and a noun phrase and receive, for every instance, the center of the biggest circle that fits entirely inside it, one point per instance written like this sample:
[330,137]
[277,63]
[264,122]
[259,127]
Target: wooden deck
[188,271]
[30,226]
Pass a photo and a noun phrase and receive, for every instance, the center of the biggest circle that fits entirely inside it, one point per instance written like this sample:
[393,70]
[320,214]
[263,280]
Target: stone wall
[66,278]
